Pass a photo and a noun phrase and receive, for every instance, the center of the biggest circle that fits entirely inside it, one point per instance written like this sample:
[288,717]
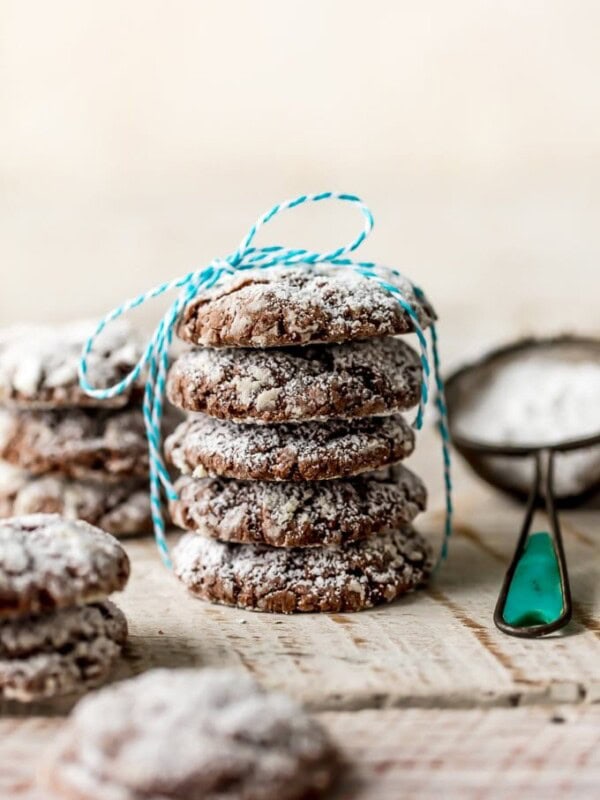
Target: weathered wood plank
[494,754]
[436,648]
[479,754]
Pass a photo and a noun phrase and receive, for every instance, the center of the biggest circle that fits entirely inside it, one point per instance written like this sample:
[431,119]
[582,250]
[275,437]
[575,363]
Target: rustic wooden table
[425,697]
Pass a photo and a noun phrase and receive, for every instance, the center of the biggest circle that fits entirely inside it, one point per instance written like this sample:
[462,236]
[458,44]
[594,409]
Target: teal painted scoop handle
[535,599]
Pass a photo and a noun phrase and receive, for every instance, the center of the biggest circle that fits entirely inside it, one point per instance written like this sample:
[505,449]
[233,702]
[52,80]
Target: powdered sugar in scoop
[537,398]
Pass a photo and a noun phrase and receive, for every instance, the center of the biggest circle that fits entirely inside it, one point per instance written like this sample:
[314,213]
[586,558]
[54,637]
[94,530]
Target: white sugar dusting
[537,399]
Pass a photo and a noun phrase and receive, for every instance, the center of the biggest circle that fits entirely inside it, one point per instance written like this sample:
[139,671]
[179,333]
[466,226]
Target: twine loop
[155,357]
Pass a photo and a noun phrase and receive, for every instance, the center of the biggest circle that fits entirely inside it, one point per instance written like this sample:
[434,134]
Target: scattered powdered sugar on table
[538,399]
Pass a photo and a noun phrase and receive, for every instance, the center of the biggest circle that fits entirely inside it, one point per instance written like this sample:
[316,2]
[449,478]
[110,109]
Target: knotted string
[156,354]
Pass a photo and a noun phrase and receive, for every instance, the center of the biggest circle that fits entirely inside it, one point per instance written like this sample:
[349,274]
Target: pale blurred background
[139,139]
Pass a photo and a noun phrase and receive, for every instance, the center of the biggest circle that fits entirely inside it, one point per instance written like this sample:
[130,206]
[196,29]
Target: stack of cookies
[292,487]
[58,632]
[63,451]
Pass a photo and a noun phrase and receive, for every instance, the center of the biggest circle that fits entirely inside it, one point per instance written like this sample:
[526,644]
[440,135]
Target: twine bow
[156,354]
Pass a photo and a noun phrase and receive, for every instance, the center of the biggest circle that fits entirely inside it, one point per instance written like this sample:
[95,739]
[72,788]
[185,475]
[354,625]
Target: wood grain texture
[478,754]
[437,648]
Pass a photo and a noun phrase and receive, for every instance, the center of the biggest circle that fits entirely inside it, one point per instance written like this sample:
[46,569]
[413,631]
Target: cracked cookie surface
[39,363]
[122,509]
[308,451]
[288,580]
[48,563]
[288,306]
[358,379]
[299,514]
[85,444]
[64,652]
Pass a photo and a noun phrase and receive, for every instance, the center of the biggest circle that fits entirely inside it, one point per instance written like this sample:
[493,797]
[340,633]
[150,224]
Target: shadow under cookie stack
[61,451]
[292,488]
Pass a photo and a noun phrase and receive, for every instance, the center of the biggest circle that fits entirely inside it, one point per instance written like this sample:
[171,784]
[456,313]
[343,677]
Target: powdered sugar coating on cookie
[358,379]
[38,363]
[287,306]
[308,451]
[190,733]
[47,563]
[122,509]
[287,580]
[59,653]
[299,514]
[86,444]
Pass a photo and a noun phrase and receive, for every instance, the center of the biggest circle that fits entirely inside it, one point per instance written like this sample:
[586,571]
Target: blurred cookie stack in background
[291,484]
[62,451]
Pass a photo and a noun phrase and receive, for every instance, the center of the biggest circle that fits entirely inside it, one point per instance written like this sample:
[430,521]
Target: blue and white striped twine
[156,354]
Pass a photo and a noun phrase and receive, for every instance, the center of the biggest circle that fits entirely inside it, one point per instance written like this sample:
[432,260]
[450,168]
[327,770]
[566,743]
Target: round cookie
[48,563]
[83,444]
[39,363]
[301,514]
[122,509]
[287,580]
[190,734]
[287,306]
[310,451]
[59,653]
[358,379]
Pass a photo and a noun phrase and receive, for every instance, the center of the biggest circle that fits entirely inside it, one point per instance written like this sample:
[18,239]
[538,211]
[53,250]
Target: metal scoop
[557,469]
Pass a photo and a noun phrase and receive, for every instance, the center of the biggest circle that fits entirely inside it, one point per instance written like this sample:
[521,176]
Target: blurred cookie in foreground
[58,632]
[189,734]
[122,509]
[39,364]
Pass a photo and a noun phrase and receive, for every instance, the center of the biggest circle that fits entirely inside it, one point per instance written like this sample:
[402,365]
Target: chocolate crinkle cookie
[85,444]
[122,509]
[60,653]
[299,514]
[359,379]
[48,563]
[189,734]
[311,451]
[285,306]
[39,363]
[287,580]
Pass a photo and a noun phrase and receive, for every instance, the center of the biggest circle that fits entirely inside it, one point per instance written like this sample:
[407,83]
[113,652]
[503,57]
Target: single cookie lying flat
[310,451]
[89,444]
[186,735]
[286,580]
[38,364]
[59,653]
[122,509]
[47,563]
[284,306]
[300,514]
[359,379]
